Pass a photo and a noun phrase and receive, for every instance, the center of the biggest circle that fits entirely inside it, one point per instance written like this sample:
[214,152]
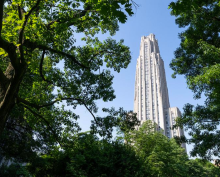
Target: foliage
[14,170]
[90,157]
[43,69]
[164,157]
[161,156]
[202,168]
[144,153]
[122,120]
[197,59]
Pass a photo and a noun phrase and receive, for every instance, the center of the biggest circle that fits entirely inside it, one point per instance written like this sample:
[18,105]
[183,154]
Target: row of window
[167,125]
[141,91]
[146,84]
[153,91]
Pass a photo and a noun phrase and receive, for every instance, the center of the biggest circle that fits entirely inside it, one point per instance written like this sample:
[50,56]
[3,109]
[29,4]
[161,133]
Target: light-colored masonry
[151,100]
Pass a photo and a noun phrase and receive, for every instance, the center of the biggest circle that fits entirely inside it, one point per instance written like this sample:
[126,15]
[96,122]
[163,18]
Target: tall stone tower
[151,100]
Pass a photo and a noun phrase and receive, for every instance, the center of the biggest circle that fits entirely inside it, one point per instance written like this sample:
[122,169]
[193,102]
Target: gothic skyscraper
[151,100]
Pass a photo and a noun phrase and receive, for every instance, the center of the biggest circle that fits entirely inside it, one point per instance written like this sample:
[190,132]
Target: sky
[152,16]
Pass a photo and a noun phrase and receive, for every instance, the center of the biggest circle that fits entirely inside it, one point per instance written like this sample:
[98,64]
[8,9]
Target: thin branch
[57,100]
[26,19]
[21,34]
[33,45]
[90,111]
[25,102]
[41,72]
[135,4]
[95,55]
[38,107]
[64,54]
[78,15]
[53,102]
[41,67]
[94,117]
[48,123]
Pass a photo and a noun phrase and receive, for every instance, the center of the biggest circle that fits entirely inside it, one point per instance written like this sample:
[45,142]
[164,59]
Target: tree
[18,141]
[15,170]
[161,156]
[42,69]
[197,59]
[164,157]
[202,168]
[145,153]
[89,157]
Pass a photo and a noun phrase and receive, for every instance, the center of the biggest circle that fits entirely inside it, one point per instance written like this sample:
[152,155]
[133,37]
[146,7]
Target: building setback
[151,100]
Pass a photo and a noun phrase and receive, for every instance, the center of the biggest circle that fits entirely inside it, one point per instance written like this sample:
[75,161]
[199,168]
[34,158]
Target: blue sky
[152,16]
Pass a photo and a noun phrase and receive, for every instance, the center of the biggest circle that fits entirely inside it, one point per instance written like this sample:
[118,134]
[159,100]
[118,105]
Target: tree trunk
[8,92]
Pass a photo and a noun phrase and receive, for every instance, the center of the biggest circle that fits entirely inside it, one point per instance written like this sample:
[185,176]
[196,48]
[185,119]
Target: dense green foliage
[197,59]
[144,153]
[164,157]
[14,170]
[43,68]
[90,157]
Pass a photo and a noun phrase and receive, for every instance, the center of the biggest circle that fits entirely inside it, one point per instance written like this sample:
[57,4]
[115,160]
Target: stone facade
[151,100]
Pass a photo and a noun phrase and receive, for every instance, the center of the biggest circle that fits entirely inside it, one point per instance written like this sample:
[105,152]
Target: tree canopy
[144,152]
[43,69]
[89,157]
[162,156]
[197,59]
